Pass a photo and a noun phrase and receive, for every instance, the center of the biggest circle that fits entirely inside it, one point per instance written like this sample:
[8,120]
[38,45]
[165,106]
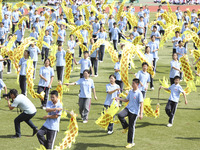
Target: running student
[86,84]
[132,110]
[172,104]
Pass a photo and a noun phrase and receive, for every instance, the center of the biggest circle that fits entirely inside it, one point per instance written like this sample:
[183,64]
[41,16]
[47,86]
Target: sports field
[151,134]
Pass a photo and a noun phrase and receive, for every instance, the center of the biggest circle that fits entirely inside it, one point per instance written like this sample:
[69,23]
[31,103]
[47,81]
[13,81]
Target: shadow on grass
[91,131]
[9,136]
[85,146]
[189,108]
[146,124]
[188,138]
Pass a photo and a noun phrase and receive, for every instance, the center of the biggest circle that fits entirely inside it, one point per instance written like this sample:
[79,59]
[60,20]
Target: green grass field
[151,134]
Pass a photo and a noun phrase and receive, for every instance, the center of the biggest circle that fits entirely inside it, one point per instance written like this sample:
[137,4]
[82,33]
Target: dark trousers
[144,94]
[46,91]
[1,41]
[94,36]
[172,81]
[48,142]
[17,43]
[154,64]
[72,61]
[170,110]
[120,36]
[151,82]
[23,117]
[80,50]
[162,32]
[13,27]
[1,74]
[34,65]
[110,35]
[110,126]
[59,42]
[131,126]
[8,64]
[45,52]
[60,72]
[129,25]
[121,85]
[115,44]
[81,75]
[22,84]
[94,64]
[174,50]
[84,107]
[101,52]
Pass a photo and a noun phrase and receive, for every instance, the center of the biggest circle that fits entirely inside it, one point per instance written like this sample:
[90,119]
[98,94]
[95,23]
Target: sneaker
[35,131]
[95,75]
[44,108]
[85,121]
[15,136]
[130,145]
[152,88]
[169,125]
[125,130]
[42,60]
[41,106]
[110,132]
[8,72]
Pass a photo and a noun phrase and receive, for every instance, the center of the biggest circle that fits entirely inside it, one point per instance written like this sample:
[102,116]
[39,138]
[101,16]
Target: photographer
[26,106]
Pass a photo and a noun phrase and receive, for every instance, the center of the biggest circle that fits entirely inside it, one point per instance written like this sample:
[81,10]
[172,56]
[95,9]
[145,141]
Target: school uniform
[172,104]
[193,16]
[150,59]
[34,56]
[2,35]
[20,34]
[146,21]
[140,30]
[181,50]
[53,16]
[34,35]
[144,78]
[86,86]
[60,64]
[50,127]
[156,34]
[22,75]
[174,72]
[118,76]
[15,15]
[85,40]
[91,18]
[179,15]
[8,60]
[102,35]
[115,36]
[71,45]
[42,22]
[109,99]
[30,14]
[93,59]
[122,26]
[177,39]
[61,39]
[50,29]
[140,14]
[132,110]
[135,34]
[7,24]
[45,50]
[96,28]
[38,26]
[110,26]
[80,22]
[85,64]
[46,72]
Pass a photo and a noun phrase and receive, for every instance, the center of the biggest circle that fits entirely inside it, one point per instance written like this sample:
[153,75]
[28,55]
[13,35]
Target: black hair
[177,77]
[14,92]
[27,52]
[153,36]
[59,44]
[114,23]
[179,42]
[85,52]
[177,32]
[48,60]
[86,70]
[120,55]
[135,27]
[136,80]
[144,63]
[154,27]
[112,75]
[54,92]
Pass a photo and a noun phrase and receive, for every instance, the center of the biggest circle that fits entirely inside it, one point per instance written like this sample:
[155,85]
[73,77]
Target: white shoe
[169,125]
[110,132]
[95,75]
[130,145]
[8,72]
[152,88]
[44,108]
[85,121]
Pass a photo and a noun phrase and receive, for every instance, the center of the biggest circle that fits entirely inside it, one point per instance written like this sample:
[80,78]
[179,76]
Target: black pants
[13,27]
[46,91]
[174,50]
[1,74]
[81,75]
[101,52]
[34,65]
[162,32]
[110,35]
[110,126]
[172,81]
[17,43]
[94,64]
[45,52]
[170,110]
[22,84]
[8,64]
[144,94]
[120,36]
[151,81]
[154,64]
[48,142]
[59,42]
[185,45]
[1,41]
[23,117]
[131,126]
[129,25]
[80,50]
[94,36]
[115,44]
[121,85]
[72,61]
[60,73]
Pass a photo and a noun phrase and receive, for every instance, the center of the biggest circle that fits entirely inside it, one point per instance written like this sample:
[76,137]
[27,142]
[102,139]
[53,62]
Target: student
[175,68]
[30,14]
[135,33]
[37,25]
[193,15]
[71,44]
[187,18]
[45,50]
[96,28]
[122,26]
[46,79]
[92,17]
[112,90]
[150,59]
[51,125]
[42,19]
[172,104]
[34,52]
[146,21]
[2,87]
[3,33]
[141,12]
[180,50]
[144,78]
[80,21]
[140,26]
[86,84]
[1,66]
[131,38]
[84,33]
[7,23]
[20,35]
[162,31]
[53,15]
[156,34]
[115,35]
[85,63]
[94,58]
[175,40]
[132,110]
[22,74]
[111,21]
[34,34]
[61,35]
[117,73]
[179,14]
[60,62]
[61,20]
[15,19]
[102,35]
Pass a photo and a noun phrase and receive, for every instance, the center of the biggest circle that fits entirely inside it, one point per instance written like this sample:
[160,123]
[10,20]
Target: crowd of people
[107,29]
